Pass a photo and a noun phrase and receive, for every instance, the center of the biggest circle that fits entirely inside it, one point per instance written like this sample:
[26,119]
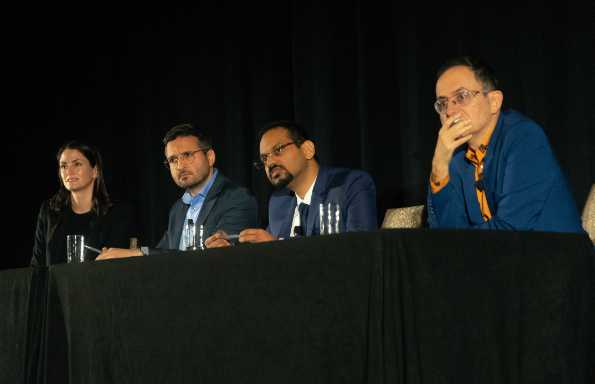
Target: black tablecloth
[488,307]
[22,302]
[285,312]
[399,306]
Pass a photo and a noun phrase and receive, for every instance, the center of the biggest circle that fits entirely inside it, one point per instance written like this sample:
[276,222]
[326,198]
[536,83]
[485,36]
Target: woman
[81,206]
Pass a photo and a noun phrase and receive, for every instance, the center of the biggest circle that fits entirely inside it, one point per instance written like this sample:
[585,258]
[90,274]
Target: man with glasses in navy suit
[304,188]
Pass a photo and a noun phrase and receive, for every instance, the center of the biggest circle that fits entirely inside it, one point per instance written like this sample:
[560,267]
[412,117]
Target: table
[23,304]
[400,306]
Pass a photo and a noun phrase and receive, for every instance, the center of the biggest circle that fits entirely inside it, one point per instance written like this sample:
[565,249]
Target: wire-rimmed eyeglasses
[173,160]
[461,98]
[276,152]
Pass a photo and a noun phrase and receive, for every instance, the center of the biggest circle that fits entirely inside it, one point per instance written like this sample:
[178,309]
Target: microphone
[298,230]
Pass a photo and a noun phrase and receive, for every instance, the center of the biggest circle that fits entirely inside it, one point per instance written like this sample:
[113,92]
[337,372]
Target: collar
[476,156]
[308,196]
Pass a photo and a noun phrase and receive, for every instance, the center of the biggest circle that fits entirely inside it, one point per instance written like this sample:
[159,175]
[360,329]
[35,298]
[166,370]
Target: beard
[192,179]
[282,179]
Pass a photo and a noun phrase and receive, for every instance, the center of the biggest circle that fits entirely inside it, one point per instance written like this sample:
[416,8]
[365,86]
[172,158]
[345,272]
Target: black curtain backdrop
[359,76]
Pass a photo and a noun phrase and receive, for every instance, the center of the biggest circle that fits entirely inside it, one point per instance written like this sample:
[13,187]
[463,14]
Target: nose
[267,161]
[69,170]
[451,109]
[179,164]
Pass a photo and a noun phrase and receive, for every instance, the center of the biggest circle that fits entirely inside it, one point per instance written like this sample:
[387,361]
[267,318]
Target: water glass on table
[329,214]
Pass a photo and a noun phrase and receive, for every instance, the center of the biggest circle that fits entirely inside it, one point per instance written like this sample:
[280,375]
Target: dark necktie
[303,209]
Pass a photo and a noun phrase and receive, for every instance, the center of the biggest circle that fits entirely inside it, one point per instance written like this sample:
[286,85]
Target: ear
[95,172]
[308,149]
[211,157]
[496,98]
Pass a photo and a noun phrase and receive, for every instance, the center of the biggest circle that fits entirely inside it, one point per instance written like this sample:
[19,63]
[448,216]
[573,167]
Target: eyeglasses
[188,155]
[276,152]
[462,97]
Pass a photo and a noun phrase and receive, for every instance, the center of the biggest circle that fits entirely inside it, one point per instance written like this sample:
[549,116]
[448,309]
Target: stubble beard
[192,181]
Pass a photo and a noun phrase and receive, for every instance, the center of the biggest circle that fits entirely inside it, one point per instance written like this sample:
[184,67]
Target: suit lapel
[180,216]
[210,200]
[490,164]
[468,174]
[285,229]
[318,196]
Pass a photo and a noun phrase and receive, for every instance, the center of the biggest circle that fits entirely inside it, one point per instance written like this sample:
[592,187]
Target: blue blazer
[227,207]
[354,190]
[524,184]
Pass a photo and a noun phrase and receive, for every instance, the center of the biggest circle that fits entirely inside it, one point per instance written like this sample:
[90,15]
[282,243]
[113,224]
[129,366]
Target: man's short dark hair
[186,129]
[296,132]
[482,71]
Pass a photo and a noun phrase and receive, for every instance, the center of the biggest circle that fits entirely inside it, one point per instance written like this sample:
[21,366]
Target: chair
[411,217]
[589,214]
[404,217]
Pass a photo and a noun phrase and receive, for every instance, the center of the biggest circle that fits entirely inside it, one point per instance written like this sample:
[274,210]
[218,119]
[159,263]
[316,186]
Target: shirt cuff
[436,186]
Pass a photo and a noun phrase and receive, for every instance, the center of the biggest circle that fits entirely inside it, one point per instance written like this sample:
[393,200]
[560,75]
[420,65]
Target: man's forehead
[182,142]
[454,79]
[273,137]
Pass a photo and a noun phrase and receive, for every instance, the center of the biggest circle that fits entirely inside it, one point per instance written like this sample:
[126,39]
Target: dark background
[359,76]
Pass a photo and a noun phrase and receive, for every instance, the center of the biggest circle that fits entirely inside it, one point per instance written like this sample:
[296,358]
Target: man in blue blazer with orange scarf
[506,176]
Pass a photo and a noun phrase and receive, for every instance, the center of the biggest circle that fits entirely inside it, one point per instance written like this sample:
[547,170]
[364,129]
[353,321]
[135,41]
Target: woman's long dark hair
[100,199]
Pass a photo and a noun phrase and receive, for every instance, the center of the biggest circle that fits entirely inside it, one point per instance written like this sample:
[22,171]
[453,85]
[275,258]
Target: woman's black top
[114,229]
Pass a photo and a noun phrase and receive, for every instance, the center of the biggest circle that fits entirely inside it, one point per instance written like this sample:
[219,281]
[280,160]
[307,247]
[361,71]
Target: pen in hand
[92,249]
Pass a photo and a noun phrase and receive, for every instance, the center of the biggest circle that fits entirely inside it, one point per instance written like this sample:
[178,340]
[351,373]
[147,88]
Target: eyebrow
[272,148]
[179,153]
[452,93]
[71,161]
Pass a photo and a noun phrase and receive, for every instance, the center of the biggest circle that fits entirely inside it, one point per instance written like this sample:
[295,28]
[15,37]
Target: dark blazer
[524,184]
[227,207]
[114,229]
[354,190]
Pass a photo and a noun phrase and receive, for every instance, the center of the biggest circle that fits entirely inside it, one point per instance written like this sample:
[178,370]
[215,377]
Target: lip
[275,170]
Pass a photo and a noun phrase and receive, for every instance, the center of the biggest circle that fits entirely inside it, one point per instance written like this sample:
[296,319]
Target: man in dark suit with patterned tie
[304,188]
